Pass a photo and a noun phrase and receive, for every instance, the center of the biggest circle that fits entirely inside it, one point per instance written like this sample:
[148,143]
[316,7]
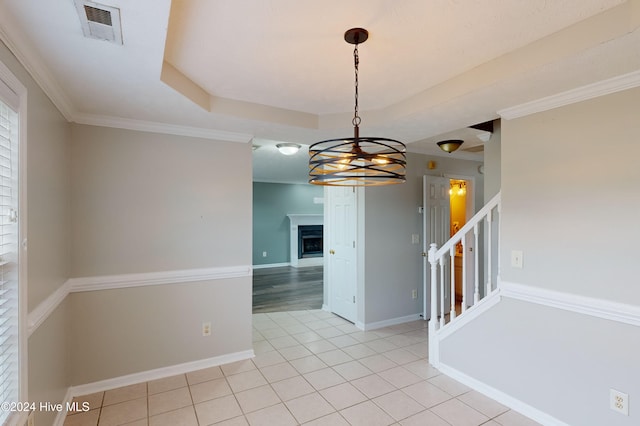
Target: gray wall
[392,264]
[271,204]
[570,202]
[144,202]
[569,185]
[48,235]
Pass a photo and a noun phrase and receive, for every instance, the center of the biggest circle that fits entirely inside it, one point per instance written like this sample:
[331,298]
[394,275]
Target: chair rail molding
[601,308]
[108,282]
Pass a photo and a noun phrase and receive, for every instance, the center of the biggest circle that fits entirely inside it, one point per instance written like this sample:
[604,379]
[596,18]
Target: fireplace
[306,247]
[309,241]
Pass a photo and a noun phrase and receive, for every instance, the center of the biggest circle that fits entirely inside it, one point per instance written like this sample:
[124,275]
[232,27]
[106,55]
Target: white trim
[46,308]
[73,285]
[386,323]
[36,69]
[297,220]
[17,99]
[146,376]
[110,282]
[62,414]
[501,397]
[271,265]
[308,261]
[155,127]
[469,315]
[590,91]
[601,308]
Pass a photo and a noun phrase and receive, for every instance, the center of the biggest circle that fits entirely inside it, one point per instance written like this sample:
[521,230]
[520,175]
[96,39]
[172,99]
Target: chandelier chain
[356,61]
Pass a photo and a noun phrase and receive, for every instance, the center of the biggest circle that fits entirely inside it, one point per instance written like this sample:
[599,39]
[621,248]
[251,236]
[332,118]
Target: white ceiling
[280,70]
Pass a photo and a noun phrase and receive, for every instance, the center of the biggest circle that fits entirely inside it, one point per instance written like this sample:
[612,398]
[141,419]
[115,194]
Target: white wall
[145,202]
[570,203]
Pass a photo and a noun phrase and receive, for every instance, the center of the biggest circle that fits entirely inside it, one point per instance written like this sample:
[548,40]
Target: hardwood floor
[287,289]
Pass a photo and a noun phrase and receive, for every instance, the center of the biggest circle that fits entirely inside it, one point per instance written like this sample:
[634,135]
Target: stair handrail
[457,237]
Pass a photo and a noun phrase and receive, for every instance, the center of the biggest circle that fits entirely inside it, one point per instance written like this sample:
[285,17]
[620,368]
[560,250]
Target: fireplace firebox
[309,241]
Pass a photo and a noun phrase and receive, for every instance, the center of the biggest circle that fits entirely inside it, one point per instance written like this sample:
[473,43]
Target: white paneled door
[436,218]
[341,258]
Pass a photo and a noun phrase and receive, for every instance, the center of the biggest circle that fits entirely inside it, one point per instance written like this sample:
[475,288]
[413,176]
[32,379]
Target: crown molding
[36,69]
[156,127]
[590,91]
[34,66]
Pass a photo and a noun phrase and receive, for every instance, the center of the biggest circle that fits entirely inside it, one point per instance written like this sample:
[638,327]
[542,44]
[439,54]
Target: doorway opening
[458,218]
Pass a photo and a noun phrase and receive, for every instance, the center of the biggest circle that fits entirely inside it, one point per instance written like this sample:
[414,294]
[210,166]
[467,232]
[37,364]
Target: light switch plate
[516,259]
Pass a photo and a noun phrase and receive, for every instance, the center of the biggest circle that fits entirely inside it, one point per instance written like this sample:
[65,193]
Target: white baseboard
[308,261]
[386,323]
[159,373]
[326,308]
[59,420]
[271,265]
[146,376]
[501,397]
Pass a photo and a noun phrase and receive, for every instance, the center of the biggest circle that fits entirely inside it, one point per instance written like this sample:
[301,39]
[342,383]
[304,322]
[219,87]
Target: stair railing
[483,229]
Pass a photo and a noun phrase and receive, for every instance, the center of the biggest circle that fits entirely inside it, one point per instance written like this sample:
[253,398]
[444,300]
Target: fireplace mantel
[300,220]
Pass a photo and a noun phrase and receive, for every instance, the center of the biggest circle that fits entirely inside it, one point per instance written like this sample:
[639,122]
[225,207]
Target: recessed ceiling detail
[236,70]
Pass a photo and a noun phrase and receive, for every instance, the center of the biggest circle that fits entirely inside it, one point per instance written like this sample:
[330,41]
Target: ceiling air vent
[99,21]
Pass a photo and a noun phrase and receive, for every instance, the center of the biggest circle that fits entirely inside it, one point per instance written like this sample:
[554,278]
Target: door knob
[332,252]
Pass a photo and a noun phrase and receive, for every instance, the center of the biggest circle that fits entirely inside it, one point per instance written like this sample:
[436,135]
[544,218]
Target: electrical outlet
[414,294]
[516,259]
[619,401]
[206,329]
[264,254]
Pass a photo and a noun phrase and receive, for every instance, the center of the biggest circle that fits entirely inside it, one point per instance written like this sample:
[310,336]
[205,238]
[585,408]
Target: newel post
[433,319]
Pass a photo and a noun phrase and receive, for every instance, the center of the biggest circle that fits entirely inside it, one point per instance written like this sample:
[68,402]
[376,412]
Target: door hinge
[354,244]
[354,299]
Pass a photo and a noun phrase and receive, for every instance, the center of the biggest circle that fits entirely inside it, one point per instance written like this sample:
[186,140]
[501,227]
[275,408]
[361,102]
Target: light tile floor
[312,368]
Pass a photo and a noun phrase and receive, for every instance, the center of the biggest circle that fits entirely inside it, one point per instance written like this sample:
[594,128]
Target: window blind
[9,357]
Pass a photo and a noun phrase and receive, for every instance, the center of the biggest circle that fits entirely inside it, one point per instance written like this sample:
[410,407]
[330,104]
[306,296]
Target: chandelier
[358,160]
